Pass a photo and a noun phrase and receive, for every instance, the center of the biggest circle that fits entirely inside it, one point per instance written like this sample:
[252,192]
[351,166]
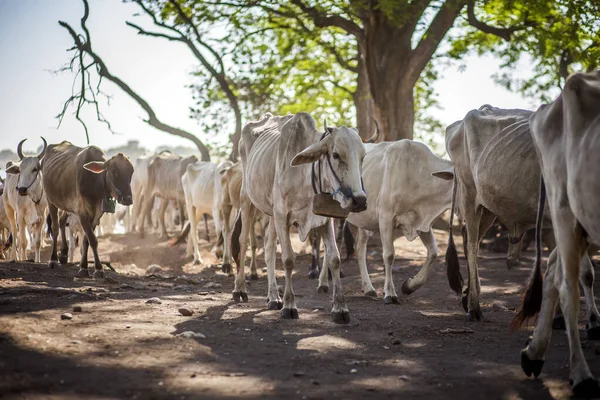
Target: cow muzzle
[22,191]
[125,200]
[359,203]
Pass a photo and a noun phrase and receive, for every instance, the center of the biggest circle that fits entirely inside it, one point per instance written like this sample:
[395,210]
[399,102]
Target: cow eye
[336,156]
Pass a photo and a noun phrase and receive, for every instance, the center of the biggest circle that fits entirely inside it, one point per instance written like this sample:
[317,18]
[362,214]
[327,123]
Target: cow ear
[95,166]
[447,174]
[310,154]
[13,169]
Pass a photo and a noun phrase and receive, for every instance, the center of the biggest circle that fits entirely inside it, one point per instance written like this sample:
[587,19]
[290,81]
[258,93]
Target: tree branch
[83,48]
[321,20]
[504,33]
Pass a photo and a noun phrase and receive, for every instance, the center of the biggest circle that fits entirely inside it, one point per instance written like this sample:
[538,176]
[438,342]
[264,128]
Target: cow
[404,199]
[278,154]
[565,135]
[139,181]
[496,174]
[83,182]
[201,184]
[25,202]
[164,180]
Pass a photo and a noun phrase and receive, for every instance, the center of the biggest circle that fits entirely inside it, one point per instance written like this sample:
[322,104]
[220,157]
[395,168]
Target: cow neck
[37,203]
[345,191]
[106,192]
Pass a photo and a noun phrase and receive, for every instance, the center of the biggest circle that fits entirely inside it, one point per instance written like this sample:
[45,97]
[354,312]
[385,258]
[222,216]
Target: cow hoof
[254,277]
[275,305]
[197,262]
[465,303]
[63,258]
[226,268]
[289,313]
[371,293]
[99,274]
[405,289]
[593,333]
[531,366]
[391,300]
[340,317]
[52,263]
[238,297]
[558,323]
[474,315]
[313,274]
[323,289]
[83,273]
[587,388]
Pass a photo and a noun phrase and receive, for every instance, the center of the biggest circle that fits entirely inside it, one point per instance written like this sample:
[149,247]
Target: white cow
[202,189]
[25,203]
[277,156]
[566,134]
[404,199]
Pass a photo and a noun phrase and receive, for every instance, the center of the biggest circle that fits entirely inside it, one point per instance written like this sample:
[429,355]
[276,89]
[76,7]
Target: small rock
[390,333]
[404,378]
[179,287]
[127,326]
[125,286]
[299,374]
[153,269]
[75,341]
[264,269]
[353,371]
[396,342]
[314,382]
[154,300]
[66,316]
[457,331]
[191,334]
[186,311]
[77,309]
[212,285]
[203,293]
[212,292]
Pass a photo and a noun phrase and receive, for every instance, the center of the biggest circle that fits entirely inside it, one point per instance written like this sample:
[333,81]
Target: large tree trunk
[365,109]
[395,111]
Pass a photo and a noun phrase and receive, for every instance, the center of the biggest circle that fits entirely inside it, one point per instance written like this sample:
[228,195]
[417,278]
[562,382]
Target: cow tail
[532,298]
[455,279]
[182,236]
[235,238]
[348,241]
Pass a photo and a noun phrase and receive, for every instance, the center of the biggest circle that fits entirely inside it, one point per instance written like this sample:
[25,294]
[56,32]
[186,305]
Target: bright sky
[32,43]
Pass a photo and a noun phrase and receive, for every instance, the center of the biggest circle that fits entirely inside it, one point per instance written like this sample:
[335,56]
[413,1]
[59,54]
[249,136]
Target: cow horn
[373,138]
[20,149]
[325,124]
[44,149]
[1,180]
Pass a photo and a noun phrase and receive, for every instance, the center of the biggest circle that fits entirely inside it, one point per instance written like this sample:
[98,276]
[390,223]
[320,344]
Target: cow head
[29,170]
[341,152]
[118,177]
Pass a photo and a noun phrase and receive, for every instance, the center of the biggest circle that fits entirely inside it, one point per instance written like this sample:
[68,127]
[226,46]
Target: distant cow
[201,184]
[496,174]
[139,182]
[404,199]
[80,180]
[25,202]
[278,154]
[164,180]
[566,135]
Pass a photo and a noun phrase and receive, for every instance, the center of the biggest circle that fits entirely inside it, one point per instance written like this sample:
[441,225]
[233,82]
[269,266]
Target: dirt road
[119,346]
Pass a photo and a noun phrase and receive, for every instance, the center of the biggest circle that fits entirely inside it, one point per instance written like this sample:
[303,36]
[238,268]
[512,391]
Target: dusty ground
[121,347]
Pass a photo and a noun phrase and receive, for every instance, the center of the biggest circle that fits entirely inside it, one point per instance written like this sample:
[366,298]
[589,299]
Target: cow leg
[339,312]
[514,253]
[315,244]
[273,300]
[386,231]
[161,218]
[252,238]
[240,292]
[37,229]
[324,277]
[22,232]
[361,255]
[206,233]
[12,220]
[71,236]
[477,224]
[92,241]
[227,259]
[193,236]
[83,263]
[289,310]
[571,248]
[586,278]
[414,283]
[532,357]
[63,256]
[53,212]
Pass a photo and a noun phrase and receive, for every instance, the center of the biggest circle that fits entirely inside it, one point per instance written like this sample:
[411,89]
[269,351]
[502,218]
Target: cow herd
[524,169]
